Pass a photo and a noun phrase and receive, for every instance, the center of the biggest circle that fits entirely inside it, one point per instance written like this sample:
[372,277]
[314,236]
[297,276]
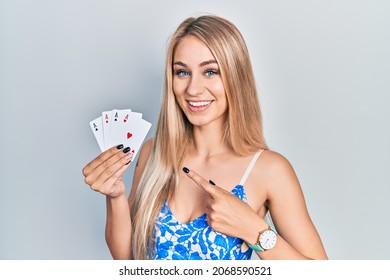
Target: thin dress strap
[250,167]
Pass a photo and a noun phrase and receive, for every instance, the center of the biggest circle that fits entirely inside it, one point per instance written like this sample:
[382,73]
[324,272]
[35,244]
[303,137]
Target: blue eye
[211,72]
[182,73]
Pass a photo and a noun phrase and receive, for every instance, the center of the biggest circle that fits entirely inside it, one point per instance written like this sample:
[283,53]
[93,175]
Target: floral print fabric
[196,240]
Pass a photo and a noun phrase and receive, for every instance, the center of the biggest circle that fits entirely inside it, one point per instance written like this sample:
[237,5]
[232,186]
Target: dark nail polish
[186,170]
[126,150]
[211,182]
[119,147]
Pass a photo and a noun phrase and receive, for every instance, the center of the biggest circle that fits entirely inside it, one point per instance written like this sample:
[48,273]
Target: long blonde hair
[174,131]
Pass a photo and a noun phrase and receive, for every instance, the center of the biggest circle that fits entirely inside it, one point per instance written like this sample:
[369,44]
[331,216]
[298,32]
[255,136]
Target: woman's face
[197,83]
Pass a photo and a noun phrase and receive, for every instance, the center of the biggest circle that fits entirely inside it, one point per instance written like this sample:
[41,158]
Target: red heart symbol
[129,135]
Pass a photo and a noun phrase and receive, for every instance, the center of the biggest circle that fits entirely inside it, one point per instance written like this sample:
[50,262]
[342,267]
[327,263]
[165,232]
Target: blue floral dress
[196,240]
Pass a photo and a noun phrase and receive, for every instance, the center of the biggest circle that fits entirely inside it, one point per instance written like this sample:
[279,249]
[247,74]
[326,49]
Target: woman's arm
[118,226]
[272,174]
[104,175]
[297,236]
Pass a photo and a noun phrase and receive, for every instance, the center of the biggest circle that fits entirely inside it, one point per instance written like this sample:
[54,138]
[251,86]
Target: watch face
[267,239]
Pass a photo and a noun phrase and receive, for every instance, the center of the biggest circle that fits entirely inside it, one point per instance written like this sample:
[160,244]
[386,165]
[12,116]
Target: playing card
[121,116]
[130,134]
[119,119]
[97,129]
[106,120]
[120,127]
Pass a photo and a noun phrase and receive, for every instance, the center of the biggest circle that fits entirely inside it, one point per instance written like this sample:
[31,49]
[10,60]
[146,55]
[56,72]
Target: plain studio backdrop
[322,69]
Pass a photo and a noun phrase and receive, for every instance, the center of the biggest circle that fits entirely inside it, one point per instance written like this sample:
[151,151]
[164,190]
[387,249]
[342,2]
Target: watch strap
[256,247]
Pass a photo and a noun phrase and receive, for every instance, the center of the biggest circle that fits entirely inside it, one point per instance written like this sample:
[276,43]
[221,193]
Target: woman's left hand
[226,213]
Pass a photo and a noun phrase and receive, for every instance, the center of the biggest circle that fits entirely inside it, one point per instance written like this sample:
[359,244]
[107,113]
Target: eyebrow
[204,63]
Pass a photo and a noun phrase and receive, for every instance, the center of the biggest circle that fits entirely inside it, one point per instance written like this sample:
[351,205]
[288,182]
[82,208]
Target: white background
[322,68]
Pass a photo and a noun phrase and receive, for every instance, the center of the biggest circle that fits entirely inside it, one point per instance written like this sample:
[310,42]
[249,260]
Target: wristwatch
[266,241]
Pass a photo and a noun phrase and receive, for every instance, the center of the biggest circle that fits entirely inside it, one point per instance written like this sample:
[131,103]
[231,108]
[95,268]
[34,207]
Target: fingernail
[119,146]
[211,182]
[128,162]
[186,170]
[126,150]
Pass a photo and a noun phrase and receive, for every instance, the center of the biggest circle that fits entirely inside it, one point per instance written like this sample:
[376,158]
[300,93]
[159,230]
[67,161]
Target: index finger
[201,182]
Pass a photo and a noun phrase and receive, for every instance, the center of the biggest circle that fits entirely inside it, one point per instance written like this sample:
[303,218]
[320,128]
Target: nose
[195,85]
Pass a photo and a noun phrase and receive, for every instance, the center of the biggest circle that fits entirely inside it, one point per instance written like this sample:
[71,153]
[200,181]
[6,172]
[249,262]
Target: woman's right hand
[104,173]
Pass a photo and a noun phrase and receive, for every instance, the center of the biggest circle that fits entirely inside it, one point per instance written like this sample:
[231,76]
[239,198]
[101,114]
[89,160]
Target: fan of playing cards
[120,127]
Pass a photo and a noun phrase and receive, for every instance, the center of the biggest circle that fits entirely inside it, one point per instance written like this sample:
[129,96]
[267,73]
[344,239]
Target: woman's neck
[209,141]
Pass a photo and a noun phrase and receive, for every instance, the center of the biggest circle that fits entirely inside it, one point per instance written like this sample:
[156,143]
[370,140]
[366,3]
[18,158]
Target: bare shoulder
[286,203]
[272,164]
[275,171]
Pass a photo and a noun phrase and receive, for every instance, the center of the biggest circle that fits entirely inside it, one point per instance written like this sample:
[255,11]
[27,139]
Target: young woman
[203,185]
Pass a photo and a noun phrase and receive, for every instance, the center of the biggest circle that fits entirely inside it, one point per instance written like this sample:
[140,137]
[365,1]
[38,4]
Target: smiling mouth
[199,103]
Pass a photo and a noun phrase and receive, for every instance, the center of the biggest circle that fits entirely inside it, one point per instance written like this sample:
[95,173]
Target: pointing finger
[205,185]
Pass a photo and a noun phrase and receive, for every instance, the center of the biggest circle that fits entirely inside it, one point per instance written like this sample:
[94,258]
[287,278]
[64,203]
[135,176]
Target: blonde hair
[174,131]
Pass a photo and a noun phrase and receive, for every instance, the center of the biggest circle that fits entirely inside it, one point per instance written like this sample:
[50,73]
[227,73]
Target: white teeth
[198,104]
